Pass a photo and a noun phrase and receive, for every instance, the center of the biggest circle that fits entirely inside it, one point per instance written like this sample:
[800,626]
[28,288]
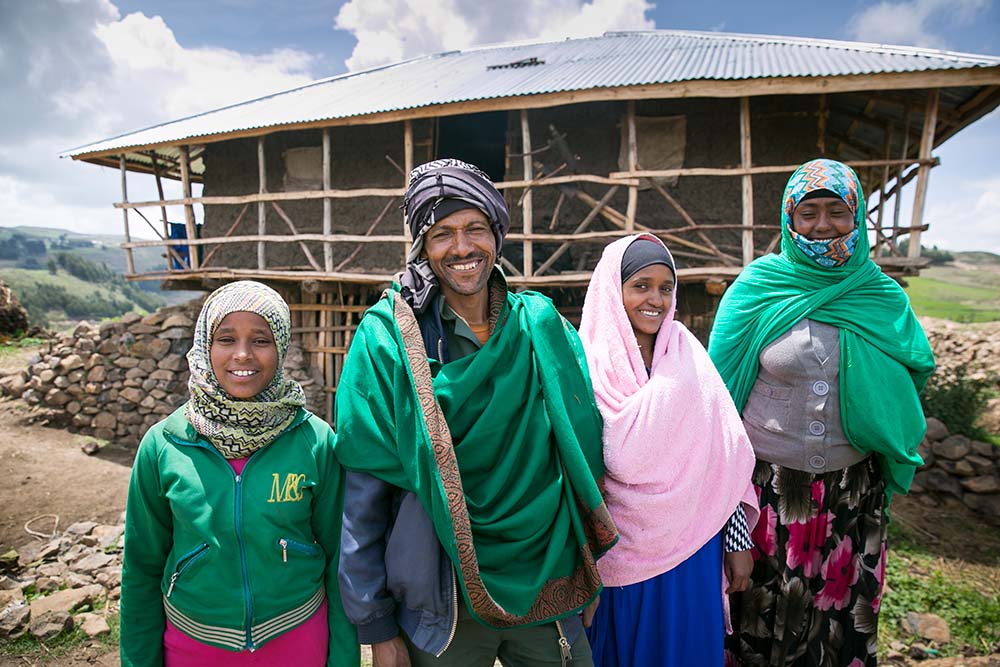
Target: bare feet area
[45,472]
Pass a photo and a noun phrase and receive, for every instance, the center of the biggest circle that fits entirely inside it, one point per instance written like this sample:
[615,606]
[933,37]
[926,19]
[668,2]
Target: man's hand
[589,611]
[739,565]
[392,653]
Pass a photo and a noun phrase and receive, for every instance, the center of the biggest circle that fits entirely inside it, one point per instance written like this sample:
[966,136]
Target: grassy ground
[966,290]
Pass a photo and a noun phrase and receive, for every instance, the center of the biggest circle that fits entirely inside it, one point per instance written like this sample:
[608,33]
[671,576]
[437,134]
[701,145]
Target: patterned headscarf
[431,185]
[839,180]
[238,428]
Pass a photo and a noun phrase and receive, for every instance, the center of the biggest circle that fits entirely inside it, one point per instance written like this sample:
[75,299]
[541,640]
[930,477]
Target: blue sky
[75,71]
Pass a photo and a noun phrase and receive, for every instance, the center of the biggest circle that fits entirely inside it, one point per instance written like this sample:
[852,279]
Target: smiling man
[472,517]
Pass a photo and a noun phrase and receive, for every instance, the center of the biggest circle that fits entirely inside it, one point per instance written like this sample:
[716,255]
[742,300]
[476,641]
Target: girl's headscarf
[236,427]
[438,189]
[678,461]
[831,178]
[884,352]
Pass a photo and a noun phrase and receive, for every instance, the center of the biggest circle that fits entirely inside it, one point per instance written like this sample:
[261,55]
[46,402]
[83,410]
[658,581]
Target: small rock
[939,480]
[92,562]
[986,504]
[954,447]
[126,362]
[90,447]
[71,362]
[97,374]
[14,621]
[130,318]
[66,600]
[131,394]
[982,484]
[919,651]
[104,420]
[8,561]
[936,430]
[177,320]
[46,585]
[108,535]
[12,596]
[81,527]
[927,626]
[50,624]
[173,362]
[92,625]
[985,449]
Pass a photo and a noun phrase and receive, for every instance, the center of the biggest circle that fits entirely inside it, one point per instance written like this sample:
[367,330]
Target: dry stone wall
[954,465]
[115,380]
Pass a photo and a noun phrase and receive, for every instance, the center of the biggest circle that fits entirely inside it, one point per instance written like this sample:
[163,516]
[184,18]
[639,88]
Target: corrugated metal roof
[616,59]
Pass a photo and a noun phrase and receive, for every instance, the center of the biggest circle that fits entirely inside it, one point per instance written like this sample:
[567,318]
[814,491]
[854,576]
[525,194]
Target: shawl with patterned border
[502,447]
[885,357]
[239,428]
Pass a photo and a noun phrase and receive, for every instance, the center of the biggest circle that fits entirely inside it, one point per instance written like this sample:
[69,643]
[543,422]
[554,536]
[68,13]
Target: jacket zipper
[185,561]
[248,603]
[286,544]
[454,614]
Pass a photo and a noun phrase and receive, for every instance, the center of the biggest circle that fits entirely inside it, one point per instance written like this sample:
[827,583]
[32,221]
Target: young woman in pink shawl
[678,466]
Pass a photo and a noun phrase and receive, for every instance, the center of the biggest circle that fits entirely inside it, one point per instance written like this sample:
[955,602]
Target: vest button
[817,428]
[821,388]
[817,461]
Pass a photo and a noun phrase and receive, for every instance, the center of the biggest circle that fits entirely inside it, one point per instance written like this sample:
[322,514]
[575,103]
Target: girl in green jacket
[232,531]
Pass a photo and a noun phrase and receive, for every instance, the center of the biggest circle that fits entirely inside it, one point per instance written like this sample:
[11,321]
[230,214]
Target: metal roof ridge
[869,47]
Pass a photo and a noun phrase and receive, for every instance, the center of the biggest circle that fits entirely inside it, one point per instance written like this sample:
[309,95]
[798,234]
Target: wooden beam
[261,206]
[746,161]
[527,210]
[232,228]
[745,171]
[128,236]
[407,168]
[633,164]
[302,244]
[579,228]
[923,175]
[189,223]
[725,88]
[726,259]
[327,202]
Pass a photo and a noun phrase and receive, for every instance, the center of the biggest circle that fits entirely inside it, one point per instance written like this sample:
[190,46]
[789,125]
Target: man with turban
[466,418]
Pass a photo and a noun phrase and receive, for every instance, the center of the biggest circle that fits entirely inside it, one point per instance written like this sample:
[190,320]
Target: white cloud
[967,220]
[913,22]
[392,30]
[80,72]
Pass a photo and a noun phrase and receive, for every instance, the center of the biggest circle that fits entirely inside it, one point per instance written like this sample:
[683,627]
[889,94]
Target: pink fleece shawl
[676,455]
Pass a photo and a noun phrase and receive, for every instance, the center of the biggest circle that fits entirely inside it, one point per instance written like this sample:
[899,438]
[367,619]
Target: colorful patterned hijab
[883,351]
[838,180]
[238,428]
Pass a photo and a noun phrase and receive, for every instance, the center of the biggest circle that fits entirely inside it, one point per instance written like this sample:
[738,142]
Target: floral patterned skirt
[819,563]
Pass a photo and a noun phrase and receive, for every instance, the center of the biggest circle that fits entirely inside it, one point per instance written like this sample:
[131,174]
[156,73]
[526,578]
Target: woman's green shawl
[502,448]
[885,357]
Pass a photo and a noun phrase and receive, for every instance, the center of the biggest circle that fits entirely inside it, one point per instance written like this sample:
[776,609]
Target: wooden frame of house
[580,164]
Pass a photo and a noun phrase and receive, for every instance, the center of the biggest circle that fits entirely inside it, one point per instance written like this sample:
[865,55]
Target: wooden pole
[881,192]
[189,225]
[526,205]
[924,172]
[327,202]
[128,235]
[821,125]
[261,206]
[407,168]
[633,161]
[746,162]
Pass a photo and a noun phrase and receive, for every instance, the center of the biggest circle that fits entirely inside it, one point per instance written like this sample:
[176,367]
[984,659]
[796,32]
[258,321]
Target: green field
[966,290]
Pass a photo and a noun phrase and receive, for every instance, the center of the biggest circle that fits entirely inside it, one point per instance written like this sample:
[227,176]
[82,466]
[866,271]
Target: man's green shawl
[885,358]
[502,448]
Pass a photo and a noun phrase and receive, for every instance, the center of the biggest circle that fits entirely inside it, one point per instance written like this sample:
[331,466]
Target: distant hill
[63,276]
[966,289]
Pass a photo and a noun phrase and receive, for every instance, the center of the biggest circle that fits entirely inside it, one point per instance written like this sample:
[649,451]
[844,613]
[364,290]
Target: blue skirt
[672,620]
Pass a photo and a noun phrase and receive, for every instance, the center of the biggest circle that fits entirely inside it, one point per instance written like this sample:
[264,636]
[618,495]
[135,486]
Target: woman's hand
[590,610]
[391,653]
[738,565]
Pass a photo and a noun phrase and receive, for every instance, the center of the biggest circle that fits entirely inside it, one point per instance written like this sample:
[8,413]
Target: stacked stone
[966,469]
[976,347]
[116,380]
[77,575]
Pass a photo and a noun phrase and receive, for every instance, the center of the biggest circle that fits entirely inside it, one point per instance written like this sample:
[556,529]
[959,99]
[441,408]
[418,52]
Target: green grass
[933,297]
[915,582]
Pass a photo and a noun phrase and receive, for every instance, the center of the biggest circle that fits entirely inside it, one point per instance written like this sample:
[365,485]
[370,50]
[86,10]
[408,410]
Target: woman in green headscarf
[825,360]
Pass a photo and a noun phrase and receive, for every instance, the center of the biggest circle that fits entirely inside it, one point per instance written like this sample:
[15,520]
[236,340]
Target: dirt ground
[45,472]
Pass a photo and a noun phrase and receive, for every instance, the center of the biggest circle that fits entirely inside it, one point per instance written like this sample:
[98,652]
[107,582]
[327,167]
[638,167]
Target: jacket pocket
[184,562]
[768,407]
[287,544]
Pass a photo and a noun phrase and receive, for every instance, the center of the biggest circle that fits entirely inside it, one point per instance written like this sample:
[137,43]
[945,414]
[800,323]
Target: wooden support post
[880,234]
[633,161]
[407,168]
[924,172]
[746,161]
[128,235]
[821,125]
[526,207]
[900,182]
[261,206]
[327,202]
[189,225]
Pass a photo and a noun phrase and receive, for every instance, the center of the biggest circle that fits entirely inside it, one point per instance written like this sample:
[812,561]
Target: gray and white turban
[436,190]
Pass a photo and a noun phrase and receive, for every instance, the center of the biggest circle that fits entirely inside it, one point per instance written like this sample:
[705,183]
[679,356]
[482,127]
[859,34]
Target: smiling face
[243,354]
[823,218]
[461,251]
[647,296]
